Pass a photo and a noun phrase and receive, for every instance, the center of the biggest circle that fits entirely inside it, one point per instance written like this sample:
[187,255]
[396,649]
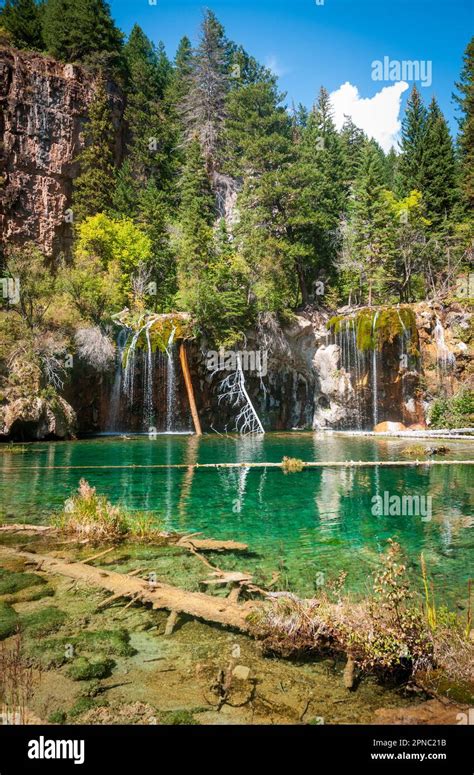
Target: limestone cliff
[43,109]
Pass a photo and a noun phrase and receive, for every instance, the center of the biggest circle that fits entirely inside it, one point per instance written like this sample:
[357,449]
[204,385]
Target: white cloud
[378,116]
[273,64]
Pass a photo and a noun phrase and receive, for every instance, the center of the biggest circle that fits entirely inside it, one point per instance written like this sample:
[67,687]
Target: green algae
[376,327]
[12,582]
[9,620]
[43,621]
[84,669]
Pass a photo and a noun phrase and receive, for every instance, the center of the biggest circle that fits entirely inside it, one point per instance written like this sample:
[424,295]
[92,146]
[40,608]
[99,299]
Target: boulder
[390,427]
[37,418]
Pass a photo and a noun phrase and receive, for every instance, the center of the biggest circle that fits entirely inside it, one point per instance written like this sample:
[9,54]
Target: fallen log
[161,596]
[209,545]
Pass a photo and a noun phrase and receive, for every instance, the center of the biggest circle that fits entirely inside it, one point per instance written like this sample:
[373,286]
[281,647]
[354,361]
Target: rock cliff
[43,109]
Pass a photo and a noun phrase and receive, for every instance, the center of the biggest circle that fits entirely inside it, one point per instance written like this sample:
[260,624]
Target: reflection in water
[319,519]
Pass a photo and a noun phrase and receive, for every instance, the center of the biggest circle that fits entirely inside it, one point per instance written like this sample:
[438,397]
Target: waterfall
[375,409]
[114,407]
[170,384]
[129,373]
[148,408]
[446,359]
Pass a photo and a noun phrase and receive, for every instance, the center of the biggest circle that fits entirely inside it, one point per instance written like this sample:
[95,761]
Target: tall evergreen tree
[410,167]
[323,136]
[370,231]
[151,140]
[22,19]
[180,80]
[438,181]
[258,148]
[94,185]
[76,30]
[195,218]
[204,105]
[353,141]
[465,100]
[391,167]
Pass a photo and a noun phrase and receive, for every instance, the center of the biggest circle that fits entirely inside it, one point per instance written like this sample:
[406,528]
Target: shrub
[291,465]
[57,717]
[92,516]
[95,348]
[455,412]
[89,515]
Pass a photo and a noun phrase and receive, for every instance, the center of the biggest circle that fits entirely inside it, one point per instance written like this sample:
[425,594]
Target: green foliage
[43,621]
[455,412]
[465,100]
[10,582]
[83,669]
[178,718]
[22,21]
[89,515]
[410,167]
[369,234]
[311,204]
[57,717]
[93,186]
[439,174]
[37,283]
[114,242]
[81,30]
[9,620]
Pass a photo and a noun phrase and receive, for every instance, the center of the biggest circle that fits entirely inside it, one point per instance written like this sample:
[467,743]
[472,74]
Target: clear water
[304,524]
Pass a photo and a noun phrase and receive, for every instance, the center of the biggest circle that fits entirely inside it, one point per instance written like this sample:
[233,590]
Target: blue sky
[330,43]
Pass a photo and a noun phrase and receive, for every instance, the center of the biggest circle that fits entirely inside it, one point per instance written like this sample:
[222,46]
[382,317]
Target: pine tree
[258,147]
[154,217]
[353,141]
[76,30]
[93,187]
[257,130]
[195,218]
[317,181]
[180,80]
[438,182]
[391,167]
[371,224]
[22,19]
[323,134]
[465,100]
[410,167]
[150,139]
[204,105]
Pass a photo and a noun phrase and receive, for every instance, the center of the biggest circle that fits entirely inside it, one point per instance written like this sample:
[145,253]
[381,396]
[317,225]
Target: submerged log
[161,596]
[209,545]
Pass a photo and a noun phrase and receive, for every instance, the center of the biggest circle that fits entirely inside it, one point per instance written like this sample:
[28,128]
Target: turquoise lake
[318,521]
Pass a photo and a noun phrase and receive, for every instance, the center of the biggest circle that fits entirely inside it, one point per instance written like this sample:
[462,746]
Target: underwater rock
[241,672]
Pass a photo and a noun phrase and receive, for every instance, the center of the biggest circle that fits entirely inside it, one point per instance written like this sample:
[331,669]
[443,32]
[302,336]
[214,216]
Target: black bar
[129,749]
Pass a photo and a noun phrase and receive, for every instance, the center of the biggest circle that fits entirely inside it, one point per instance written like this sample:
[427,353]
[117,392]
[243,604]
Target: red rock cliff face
[43,110]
